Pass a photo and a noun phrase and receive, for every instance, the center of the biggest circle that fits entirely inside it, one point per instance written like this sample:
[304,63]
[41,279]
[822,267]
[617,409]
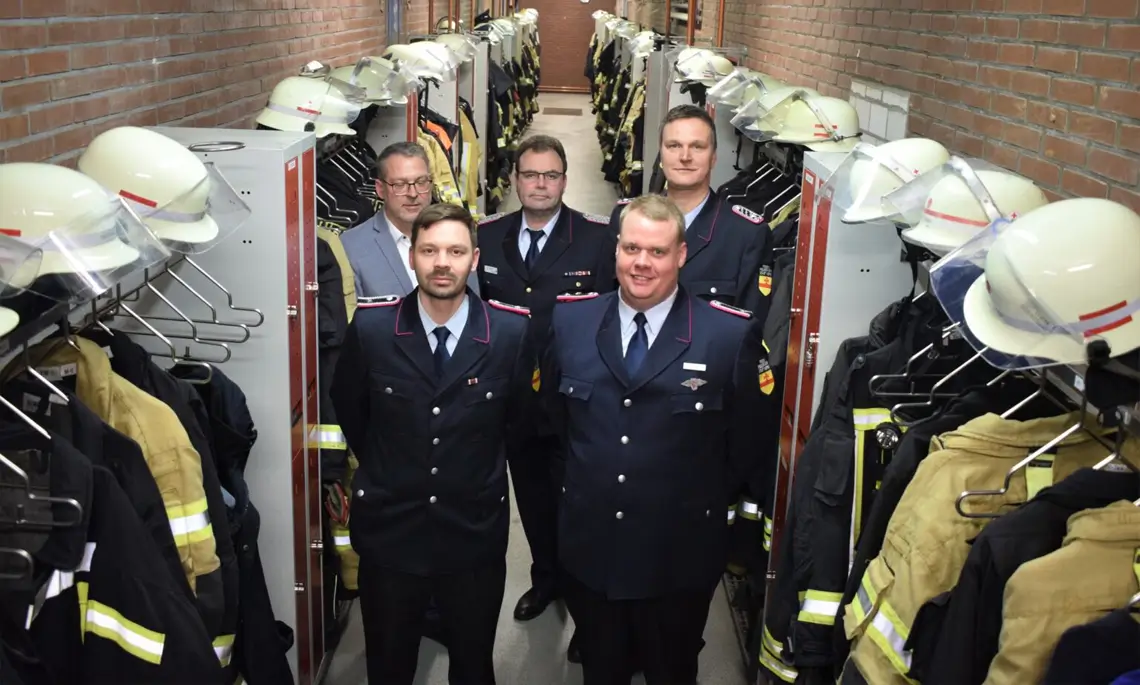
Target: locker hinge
[298,587]
[311,287]
[291,310]
[317,545]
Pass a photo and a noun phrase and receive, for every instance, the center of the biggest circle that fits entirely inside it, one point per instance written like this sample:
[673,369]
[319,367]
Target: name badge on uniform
[694,366]
[494,270]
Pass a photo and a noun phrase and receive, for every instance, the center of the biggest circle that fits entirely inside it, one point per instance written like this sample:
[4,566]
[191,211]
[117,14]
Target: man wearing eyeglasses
[533,257]
[378,249]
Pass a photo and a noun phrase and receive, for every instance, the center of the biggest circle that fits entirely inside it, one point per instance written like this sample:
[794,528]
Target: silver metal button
[563,490]
[625,439]
[387,391]
[434,470]
[619,515]
[435,410]
[712,290]
[490,395]
[528,290]
[570,390]
[628,402]
[708,512]
[432,499]
[698,406]
[502,499]
[621,478]
[577,284]
[435,441]
[360,493]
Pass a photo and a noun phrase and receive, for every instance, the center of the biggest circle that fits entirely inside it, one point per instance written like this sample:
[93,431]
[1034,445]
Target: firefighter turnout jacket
[927,541]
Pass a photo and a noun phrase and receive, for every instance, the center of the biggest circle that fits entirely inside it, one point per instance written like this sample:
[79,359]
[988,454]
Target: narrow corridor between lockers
[534,653]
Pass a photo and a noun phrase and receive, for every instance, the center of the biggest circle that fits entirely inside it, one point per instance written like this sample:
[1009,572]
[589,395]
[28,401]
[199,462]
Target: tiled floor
[534,653]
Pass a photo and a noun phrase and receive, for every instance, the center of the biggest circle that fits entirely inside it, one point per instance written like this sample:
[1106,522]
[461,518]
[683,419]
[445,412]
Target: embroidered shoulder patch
[576,297]
[493,217]
[377,301]
[735,311]
[596,218]
[513,308]
[748,214]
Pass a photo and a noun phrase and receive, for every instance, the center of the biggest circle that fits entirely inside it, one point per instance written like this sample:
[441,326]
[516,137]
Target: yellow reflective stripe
[329,436]
[890,634]
[81,589]
[820,607]
[749,510]
[770,643]
[857,494]
[224,649]
[189,520]
[778,668]
[132,638]
[870,417]
[864,600]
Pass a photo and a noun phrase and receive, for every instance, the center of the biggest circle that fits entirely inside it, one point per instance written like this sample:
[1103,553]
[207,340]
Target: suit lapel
[411,340]
[511,247]
[560,238]
[700,234]
[609,342]
[472,346]
[396,261]
[675,336]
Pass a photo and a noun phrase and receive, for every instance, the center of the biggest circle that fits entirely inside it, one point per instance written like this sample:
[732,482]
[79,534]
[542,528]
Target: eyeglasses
[422,185]
[532,176]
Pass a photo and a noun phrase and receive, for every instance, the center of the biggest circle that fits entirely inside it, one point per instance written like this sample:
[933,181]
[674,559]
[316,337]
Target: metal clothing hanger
[173,354]
[20,518]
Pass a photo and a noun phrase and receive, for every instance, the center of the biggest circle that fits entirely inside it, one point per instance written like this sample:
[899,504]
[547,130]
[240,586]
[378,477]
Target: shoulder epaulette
[377,301]
[735,311]
[513,308]
[596,218]
[577,297]
[493,217]
[625,201]
[748,214]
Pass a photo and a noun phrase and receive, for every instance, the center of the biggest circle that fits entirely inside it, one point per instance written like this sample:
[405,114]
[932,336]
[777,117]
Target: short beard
[450,293]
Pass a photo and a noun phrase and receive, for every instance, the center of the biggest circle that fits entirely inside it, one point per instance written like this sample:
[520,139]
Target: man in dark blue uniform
[729,246]
[530,257]
[653,391]
[432,393]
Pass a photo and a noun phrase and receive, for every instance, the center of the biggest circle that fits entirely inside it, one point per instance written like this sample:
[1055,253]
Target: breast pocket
[394,399]
[574,389]
[697,403]
[725,291]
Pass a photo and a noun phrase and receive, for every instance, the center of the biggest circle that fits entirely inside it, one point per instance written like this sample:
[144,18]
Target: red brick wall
[70,69]
[1047,88]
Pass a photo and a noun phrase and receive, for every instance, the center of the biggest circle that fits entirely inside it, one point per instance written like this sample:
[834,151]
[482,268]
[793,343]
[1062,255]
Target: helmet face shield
[97,250]
[863,178]
[746,119]
[19,266]
[729,91]
[982,290]
[945,206]
[199,219]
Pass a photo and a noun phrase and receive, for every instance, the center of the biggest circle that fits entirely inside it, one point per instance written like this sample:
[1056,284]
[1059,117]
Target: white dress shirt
[691,216]
[403,246]
[454,325]
[525,237]
[654,319]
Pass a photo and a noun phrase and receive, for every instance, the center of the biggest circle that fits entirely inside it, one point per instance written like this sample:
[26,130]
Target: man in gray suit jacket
[378,248]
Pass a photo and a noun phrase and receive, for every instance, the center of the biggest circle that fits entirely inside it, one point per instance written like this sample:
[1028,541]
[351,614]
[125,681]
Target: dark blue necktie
[638,346]
[441,353]
[532,251]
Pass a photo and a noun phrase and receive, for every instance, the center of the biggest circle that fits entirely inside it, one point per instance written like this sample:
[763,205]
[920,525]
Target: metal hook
[30,564]
[213,314]
[229,296]
[930,398]
[1009,475]
[25,418]
[33,497]
[34,373]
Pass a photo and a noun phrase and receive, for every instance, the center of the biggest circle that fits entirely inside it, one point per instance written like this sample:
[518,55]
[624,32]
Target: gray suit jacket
[377,265]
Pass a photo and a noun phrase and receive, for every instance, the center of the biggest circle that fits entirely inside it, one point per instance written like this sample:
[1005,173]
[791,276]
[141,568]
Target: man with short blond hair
[651,390]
